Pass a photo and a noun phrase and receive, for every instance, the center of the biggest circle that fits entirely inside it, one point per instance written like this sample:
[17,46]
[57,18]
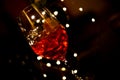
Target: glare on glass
[44,33]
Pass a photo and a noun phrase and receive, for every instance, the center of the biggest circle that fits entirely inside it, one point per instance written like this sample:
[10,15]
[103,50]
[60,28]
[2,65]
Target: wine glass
[46,36]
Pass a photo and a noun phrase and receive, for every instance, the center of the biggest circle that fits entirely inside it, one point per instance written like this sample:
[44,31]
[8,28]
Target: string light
[80,9]
[67,25]
[39,58]
[62,0]
[93,19]
[43,21]
[58,62]
[63,69]
[33,17]
[38,21]
[44,75]
[66,62]
[48,65]
[75,71]
[64,9]
[64,78]
[75,55]
[55,13]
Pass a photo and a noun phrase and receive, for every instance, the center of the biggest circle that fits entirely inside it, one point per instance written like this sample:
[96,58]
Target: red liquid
[54,46]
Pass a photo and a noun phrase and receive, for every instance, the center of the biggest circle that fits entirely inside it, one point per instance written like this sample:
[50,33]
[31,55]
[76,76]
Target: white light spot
[66,62]
[58,62]
[39,58]
[43,21]
[62,0]
[38,21]
[63,69]
[45,75]
[64,78]
[43,13]
[75,71]
[55,13]
[93,19]
[64,9]
[80,9]
[75,54]
[33,17]
[67,25]
[48,65]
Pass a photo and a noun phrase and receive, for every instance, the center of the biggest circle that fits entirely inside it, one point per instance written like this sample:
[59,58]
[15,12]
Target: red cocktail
[46,36]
